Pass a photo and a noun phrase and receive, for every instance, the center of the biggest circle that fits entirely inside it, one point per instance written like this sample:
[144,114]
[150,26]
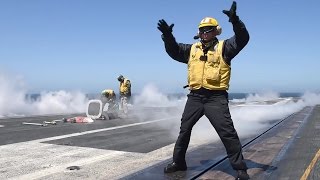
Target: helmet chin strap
[207,45]
[204,42]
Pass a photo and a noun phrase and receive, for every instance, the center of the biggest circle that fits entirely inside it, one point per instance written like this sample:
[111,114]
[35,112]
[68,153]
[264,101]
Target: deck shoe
[173,167]
[242,175]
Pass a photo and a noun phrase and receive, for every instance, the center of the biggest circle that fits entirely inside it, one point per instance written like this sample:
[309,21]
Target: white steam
[152,97]
[14,101]
[12,94]
[250,115]
[61,102]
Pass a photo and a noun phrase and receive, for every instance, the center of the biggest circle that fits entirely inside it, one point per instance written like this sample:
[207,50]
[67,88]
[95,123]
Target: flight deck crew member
[209,68]
[108,96]
[125,87]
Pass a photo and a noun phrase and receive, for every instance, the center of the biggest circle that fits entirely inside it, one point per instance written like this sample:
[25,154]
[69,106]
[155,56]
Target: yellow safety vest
[125,87]
[212,74]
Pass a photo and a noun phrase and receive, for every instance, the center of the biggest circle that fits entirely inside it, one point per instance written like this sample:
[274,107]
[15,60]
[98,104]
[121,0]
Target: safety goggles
[205,30]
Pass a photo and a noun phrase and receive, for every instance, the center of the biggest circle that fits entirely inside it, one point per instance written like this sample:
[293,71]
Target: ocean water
[232,96]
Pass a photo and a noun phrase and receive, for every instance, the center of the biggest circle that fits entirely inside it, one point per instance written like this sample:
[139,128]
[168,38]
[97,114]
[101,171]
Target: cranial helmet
[209,21]
[120,78]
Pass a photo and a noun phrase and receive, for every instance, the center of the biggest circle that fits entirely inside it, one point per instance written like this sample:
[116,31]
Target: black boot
[173,167]
[242,175]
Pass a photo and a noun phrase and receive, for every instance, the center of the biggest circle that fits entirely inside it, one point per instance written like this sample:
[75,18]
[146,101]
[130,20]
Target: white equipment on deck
[95,109]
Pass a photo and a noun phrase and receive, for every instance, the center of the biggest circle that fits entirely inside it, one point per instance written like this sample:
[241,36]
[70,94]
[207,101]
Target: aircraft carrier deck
[139,147]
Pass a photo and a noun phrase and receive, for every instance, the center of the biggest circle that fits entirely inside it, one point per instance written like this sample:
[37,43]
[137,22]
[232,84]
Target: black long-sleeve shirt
[232,46]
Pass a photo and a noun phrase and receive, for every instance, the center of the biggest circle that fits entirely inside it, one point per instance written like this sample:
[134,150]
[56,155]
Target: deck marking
[99,130]
[310,167]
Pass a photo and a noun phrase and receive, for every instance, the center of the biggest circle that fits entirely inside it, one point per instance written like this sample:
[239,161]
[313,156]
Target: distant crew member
[125,88]
[108,96]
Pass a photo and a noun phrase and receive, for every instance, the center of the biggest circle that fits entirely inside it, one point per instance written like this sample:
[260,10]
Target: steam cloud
[249,115]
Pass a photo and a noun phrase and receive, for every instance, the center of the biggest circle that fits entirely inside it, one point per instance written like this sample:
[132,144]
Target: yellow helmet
[208,21]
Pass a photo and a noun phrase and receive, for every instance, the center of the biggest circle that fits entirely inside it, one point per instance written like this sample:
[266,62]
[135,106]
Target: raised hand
[164,27]
[232,13]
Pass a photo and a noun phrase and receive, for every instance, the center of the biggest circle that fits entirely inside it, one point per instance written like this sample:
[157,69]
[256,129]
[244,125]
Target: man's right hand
[164,27]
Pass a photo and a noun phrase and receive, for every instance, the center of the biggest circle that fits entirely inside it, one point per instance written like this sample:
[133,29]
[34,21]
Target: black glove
[164,28]
[232,13]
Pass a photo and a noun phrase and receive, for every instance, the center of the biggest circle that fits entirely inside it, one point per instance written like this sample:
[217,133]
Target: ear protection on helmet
[218,30]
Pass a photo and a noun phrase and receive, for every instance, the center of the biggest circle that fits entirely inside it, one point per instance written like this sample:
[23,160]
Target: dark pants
[214,105]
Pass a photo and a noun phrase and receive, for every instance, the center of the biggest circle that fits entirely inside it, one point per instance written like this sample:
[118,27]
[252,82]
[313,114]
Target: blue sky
[84,45]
